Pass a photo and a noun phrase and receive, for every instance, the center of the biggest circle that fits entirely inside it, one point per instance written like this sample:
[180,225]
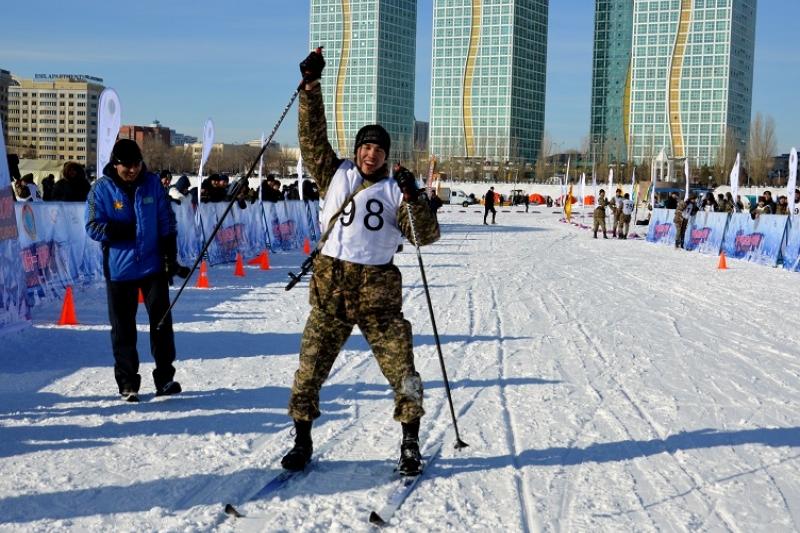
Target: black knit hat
[126,152]
[374,134]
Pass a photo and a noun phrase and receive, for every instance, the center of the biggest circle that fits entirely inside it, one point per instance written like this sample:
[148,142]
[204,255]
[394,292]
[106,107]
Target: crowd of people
[724,203]
[71,186]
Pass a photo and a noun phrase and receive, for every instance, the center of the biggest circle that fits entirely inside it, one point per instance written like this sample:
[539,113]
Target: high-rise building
[611,62]
[154,132]
[421,135]
[689,88]
[488,78]
[5,83]
[370,51]
[54,116]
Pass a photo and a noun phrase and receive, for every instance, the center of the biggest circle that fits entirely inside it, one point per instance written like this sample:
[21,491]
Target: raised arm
[318,155]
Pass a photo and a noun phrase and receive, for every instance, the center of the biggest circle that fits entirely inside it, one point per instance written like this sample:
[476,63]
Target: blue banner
[662,228]
[756,240]
[705,232]
[791,250]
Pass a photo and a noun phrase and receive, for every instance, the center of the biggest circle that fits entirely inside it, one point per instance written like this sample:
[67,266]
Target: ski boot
[300,455]
[410,462]
[595,234]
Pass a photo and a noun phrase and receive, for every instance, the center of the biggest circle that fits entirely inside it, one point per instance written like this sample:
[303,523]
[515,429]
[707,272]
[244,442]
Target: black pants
[123,298]
[680,233]
[486,210]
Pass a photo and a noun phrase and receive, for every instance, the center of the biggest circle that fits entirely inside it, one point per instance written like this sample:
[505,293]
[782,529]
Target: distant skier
[625,216]
[354,280]
[599,215]
[488,205]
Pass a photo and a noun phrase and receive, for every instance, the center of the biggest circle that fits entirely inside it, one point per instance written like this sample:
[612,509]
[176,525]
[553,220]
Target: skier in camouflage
[354,280]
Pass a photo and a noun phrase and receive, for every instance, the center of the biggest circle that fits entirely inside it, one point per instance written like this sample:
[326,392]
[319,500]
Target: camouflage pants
[624,224]
[599,219]
[342,295]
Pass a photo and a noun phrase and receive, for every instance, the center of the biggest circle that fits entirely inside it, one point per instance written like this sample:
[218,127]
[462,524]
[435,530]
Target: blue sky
[181,61]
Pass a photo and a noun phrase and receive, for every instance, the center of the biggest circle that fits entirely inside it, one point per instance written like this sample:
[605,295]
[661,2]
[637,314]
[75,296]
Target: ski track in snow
[602,385]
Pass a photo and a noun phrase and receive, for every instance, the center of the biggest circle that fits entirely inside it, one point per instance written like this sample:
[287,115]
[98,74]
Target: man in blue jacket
[129,213]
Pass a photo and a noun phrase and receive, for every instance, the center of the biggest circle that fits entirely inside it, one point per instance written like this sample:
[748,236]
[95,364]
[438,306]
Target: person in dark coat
[128,212]
[488,205]
[73,185]
[48,186]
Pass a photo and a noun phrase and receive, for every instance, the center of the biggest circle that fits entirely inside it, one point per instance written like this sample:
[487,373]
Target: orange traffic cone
[264,260]
[723,265]
[141,296]
[68,317]
[256,260]
[239,270]
[306,246]
[202,281]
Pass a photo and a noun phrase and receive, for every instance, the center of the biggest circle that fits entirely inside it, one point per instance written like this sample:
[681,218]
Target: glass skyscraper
[611,62]
[488,78]
[690,80]
[370,51]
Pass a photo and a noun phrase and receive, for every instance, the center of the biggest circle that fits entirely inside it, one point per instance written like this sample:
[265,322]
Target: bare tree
[761,149]
[540,170]
[155,152]
[726,157]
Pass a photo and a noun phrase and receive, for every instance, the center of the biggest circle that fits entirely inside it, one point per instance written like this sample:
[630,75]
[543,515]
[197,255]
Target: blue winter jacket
[109,207]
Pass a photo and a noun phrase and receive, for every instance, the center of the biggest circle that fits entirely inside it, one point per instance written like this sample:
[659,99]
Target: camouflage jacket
[322,163]
[678,218]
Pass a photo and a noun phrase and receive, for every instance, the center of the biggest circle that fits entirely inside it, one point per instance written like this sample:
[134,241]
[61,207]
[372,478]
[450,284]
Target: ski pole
[459,443]
[236,190]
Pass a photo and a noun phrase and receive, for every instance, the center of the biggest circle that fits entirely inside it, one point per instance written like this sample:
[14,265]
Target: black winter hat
[375,134]
[126,152]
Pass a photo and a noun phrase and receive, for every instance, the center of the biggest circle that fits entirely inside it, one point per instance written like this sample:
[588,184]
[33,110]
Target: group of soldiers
[621,211]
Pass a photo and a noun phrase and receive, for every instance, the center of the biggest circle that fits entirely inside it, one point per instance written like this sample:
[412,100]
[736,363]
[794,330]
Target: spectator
[709,203]
[760,208]
[21,191]
[166,179]
[73,185]
[128,212]
[722,203]
[33,190]
[48,184]
[769,202]
[549,201]
[180,190]
[672,201]
[783,206]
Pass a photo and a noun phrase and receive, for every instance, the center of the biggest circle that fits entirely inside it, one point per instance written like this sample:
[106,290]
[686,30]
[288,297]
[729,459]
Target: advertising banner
[705,232]
[791,250]
[662,228]
[14,309]
[756,240]
[55,250]
[109,118]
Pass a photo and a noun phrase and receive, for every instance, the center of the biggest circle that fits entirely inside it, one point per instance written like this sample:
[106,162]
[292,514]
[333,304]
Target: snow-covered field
[602,385]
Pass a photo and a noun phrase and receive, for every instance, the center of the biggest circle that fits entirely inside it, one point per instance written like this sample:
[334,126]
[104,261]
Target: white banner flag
[610,181]
[633,182]
[208,143]
[686,172]
[300,176]
[583,190]
[735,178]
[109,118]
[594,185]
[792,183]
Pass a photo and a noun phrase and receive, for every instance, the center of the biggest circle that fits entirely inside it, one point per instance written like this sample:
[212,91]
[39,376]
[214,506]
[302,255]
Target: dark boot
[604,235]
[300,455]
[410,462]
[595,234]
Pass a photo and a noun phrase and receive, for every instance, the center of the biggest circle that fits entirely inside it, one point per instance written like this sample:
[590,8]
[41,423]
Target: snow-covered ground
[602,385]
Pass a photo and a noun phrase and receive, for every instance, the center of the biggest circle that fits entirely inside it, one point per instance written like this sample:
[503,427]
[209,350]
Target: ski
[401,488]
[273,485]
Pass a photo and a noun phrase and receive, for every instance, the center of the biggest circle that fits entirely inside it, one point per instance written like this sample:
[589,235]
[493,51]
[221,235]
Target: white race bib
[366,232]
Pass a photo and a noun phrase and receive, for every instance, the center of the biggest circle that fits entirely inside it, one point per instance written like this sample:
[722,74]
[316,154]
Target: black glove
[407,183]
[121,231]
[311,67]
[169,249]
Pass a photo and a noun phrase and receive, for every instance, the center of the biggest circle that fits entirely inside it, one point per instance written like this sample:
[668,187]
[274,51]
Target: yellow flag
[568,204]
